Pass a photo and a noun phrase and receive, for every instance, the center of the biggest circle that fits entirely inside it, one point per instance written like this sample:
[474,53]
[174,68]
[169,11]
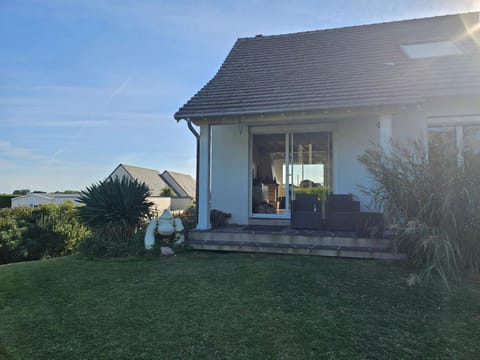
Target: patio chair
[342,212]
[306,212]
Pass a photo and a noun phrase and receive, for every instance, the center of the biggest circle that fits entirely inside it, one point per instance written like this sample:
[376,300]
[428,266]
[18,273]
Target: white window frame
[458,123]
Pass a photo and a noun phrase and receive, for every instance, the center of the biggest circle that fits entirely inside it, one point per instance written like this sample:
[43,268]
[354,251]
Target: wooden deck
[283,240]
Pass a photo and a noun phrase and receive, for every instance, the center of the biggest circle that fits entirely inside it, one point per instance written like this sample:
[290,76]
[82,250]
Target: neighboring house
[150,177]
[183,185]
[36,199]
[294,109]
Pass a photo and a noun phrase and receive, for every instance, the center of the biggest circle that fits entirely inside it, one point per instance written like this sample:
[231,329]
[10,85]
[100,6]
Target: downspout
[197,136]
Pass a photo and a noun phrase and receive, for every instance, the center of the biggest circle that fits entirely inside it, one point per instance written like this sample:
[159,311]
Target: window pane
[442,144]
[268,174]
[471,140]
[311,159]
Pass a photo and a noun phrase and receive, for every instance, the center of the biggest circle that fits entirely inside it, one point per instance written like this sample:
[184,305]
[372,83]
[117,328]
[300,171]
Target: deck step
[286,243]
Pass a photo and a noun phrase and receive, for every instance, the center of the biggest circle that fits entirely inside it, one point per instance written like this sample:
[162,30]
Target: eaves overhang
[324,111]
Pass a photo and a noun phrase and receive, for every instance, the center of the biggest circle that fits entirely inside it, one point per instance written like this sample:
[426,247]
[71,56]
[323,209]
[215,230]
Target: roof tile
[340,68]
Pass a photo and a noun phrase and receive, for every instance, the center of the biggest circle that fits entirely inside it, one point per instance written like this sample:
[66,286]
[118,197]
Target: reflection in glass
[284,164]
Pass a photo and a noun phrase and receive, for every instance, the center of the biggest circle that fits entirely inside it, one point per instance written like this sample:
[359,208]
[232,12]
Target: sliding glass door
[285,164]
[269,166]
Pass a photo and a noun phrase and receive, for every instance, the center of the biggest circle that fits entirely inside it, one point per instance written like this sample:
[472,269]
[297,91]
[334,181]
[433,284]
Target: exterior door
[285,164]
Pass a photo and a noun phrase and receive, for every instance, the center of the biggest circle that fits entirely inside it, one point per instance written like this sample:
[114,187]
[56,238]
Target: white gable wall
[409,125]
[230,174]
[352,138]
[120,173]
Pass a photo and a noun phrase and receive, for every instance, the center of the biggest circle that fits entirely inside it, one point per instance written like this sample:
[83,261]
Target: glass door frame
[288,131]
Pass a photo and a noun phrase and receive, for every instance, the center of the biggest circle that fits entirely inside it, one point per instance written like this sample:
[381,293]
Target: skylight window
[431,49]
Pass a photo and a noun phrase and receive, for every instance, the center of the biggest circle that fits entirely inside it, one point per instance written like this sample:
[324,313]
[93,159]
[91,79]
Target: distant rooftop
[182,184]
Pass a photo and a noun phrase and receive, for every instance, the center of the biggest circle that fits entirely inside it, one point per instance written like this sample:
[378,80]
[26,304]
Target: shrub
[55,230]
[12,230]
[320,191]
[167,192]
[434,206]
[46,231]
[115,209]
[189,218]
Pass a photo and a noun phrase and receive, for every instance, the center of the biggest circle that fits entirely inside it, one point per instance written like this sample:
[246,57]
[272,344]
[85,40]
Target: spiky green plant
[434,204]
[114,209]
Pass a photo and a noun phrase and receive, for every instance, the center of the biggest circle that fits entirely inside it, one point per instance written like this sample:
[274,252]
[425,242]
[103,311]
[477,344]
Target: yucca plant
[114,209]
[433,203]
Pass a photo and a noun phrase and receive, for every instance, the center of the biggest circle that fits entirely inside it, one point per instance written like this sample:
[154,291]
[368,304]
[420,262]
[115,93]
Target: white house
[285,109]
[183,185]
[36,199]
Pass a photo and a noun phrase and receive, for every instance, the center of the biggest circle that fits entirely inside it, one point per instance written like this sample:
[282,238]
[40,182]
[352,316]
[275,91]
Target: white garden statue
[166,225]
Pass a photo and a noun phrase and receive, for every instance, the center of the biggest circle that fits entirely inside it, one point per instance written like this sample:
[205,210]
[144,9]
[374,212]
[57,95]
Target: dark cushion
[305,202]
[307,220]
[306,212]
[342,221]
[342,203]
[342,212]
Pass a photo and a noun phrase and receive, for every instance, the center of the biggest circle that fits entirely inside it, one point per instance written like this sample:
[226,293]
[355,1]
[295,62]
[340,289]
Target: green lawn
[231,306]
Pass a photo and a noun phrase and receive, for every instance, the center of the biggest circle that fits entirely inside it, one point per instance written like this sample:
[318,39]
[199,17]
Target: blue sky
[86,85]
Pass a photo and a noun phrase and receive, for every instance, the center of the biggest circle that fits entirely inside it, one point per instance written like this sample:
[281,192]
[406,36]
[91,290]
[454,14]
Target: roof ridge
[176,172]
[351,27]
[139,167]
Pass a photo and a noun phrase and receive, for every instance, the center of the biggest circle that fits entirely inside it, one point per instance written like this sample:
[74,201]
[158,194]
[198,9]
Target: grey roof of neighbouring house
[340,68]
[150,177]
[182,184]
[50,195]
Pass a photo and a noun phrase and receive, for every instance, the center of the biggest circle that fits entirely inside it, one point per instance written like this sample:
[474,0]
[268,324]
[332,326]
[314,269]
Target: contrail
[116,92]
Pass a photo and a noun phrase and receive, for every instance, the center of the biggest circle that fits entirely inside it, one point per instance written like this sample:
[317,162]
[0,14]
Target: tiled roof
[60,196]
[340,68]
[183,184]
[150,177]
[49,196]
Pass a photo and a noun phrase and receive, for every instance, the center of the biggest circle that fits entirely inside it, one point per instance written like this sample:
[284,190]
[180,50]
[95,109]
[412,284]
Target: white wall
[230,174]
[120,173]
[160,203]
[230,171]
[408,125]
[351,139]
[32,200]
[412,122]
[178,203]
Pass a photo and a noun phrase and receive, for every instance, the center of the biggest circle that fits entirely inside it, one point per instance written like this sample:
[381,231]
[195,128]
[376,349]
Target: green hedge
[320,191]
[45,231]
